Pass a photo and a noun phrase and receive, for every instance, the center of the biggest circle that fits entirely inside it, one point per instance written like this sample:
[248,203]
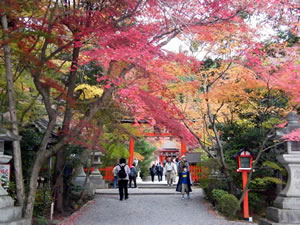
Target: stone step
[10,214]
[6,201]
[264,221]
[285,216]
[17,222]
[143,191]
[157,186]
[155,182]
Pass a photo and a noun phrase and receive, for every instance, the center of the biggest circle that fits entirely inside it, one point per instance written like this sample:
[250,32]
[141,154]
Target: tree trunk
[224,168]
[13,116]
[33,185]
[60,156]
[59,183]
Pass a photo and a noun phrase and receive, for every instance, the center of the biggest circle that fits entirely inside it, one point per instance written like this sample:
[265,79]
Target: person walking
[183,162]
[115,175]
[174,173]
[123,172]
[132,175]
[169,171]
[184,183]
[152,172]
[159,170]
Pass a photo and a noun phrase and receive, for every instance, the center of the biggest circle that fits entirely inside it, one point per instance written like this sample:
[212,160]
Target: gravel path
[151,210]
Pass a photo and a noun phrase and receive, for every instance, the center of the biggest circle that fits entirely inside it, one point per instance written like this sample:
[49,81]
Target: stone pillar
[286,209]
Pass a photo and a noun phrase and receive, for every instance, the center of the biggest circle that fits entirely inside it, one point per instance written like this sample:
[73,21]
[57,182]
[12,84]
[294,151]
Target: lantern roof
[243,152]
[293,123]
[6,135]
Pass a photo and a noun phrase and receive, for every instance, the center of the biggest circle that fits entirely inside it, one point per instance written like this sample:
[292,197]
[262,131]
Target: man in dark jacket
[159,171]
[152,172]
[123,179]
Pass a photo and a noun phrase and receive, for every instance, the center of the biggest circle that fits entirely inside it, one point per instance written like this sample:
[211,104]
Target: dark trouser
[132,179]
[123,187]
[152,177]
[159,176]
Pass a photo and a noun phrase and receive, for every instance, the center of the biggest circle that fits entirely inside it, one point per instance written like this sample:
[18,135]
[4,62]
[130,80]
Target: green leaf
[267,180]
[273,165]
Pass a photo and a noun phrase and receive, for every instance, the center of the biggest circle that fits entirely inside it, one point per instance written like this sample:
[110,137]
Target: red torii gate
[131,144]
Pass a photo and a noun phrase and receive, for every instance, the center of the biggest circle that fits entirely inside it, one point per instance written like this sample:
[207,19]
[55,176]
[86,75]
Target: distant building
[169,149]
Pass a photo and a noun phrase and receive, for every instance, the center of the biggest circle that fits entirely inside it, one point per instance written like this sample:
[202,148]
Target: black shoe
[121,199]
[126,198]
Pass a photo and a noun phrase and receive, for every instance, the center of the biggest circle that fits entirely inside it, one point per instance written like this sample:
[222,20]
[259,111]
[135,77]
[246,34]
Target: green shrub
[257,202]
[42,203]
[229,205]
[210,185]
[41,220]
[217,194]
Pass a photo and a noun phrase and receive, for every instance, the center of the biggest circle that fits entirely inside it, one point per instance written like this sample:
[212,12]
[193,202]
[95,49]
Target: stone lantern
[286,209]
[8,213]
[96,162]
[96,179]
[5,135]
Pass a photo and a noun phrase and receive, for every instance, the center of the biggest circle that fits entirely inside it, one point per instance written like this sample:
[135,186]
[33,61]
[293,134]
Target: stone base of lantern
[80,180]
[97,182]
[281,217]
[268,222]
[287,202]
[9,214]
[286,211]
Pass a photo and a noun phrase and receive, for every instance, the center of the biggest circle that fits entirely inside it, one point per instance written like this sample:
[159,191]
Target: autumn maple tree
[126,39]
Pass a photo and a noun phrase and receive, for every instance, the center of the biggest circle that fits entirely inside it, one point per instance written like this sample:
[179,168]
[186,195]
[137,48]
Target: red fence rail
[198,173]
[105,172]
[108,174]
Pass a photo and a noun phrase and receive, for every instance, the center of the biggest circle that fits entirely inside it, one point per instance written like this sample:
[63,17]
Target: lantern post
[245,159]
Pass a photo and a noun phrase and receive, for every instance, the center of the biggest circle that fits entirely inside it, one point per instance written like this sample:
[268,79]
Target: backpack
[132,172]
[159,168]
[122,174]
[153,169]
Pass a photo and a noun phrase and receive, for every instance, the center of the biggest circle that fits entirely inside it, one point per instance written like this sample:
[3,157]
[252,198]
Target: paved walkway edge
[70,220]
